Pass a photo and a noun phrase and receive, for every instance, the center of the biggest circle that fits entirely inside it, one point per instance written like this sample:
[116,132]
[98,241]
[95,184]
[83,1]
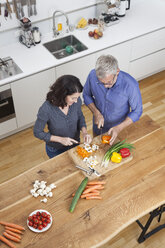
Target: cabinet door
[79,68]
[121,52]
[29,93]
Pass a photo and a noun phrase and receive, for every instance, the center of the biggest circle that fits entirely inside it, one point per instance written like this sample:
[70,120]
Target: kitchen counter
[143,17]
[131,191]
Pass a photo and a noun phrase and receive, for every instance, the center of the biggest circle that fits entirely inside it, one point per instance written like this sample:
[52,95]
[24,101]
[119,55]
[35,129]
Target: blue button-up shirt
[116,103]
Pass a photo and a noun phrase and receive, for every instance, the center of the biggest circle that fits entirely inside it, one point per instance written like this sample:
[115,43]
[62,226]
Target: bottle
[121,9]
[36,35]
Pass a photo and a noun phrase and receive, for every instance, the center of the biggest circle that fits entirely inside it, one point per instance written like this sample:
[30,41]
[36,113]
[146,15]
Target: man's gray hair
[106,65]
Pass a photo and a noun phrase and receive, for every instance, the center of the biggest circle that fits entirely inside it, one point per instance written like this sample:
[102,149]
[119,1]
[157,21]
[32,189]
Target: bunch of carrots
[12,232]
[92,190]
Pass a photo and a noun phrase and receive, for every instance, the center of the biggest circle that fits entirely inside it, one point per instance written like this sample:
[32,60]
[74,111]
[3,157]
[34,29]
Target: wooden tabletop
[131,191]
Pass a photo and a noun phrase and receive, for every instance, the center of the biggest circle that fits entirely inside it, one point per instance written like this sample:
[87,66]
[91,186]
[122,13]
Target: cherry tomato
[40,222]
[44,224]
[34,216]
[43,219]
[40,227]
[44,214]
[48,216]
[35,221]
[48,221]
[30,223]
[35,226]
[38,213]
[30,218]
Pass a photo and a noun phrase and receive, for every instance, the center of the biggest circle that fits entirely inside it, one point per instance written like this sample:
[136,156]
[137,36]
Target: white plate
[45,228]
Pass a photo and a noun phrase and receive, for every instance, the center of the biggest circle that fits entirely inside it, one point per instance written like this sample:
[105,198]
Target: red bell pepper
[125,152]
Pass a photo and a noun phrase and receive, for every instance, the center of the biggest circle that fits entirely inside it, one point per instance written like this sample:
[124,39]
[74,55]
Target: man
[113,96]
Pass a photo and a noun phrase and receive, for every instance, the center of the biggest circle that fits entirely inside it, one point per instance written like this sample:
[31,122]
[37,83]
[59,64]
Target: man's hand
[99,120]
[113,132]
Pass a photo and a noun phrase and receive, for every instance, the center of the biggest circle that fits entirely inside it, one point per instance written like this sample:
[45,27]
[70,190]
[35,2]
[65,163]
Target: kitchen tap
[55,31]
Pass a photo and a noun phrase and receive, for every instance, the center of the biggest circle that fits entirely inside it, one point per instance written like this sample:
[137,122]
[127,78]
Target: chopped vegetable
[95,182]
[115,148]
[116,157]
[94,197]
[125,152]
[12,225]
[92,188]
[7,242]
[78,194]
[82,152]
[105,139]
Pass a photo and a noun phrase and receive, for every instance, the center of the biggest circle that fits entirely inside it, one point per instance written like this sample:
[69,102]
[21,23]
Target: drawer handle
[4,103]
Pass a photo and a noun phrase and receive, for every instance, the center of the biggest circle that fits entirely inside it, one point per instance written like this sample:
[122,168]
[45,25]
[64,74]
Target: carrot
[12,225]
[11,237]
[89,194]
[13,234]
[13,229]
[7,242]
[95,182]
[91,188]
[94,197]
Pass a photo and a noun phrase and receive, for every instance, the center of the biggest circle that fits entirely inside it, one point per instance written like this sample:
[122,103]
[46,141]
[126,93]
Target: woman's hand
[87,138]
[66,141]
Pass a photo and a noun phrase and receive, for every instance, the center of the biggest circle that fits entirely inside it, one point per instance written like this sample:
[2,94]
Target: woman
[62,113]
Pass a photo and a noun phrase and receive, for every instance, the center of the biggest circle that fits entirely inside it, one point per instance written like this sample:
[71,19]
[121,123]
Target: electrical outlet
[17,33]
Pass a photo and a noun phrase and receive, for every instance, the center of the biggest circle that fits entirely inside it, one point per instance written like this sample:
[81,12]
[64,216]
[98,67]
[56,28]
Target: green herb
[115,148]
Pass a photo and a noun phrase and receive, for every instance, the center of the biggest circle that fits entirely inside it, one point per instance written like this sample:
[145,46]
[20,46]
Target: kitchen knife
[89,172]
[94,171]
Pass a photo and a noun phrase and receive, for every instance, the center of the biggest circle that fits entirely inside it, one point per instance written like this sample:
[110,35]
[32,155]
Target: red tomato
[30,218]
[44,214]
[48,216]
[40,227]
[48,221]
[34,216]
[30,223]
[44,224]
[43,219]
[35,226]
[35,221]
[40,222]
[38,213]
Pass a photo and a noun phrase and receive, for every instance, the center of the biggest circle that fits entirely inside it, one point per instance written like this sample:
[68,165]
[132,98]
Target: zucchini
[78,194]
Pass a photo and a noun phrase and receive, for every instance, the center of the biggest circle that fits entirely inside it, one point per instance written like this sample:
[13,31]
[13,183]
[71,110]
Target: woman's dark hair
[64,86]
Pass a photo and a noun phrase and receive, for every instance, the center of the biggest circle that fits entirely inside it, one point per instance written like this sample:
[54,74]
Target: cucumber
[78,194]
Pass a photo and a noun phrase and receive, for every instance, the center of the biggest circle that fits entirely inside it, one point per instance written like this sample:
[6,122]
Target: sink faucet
[55,31]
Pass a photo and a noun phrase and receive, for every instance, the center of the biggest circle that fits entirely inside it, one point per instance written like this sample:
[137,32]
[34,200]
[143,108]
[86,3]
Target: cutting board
[99,157]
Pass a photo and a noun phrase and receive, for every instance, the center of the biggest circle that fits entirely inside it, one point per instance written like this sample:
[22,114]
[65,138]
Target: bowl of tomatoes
[39,221]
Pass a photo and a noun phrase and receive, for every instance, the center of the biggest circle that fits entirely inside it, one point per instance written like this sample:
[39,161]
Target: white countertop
[143,17]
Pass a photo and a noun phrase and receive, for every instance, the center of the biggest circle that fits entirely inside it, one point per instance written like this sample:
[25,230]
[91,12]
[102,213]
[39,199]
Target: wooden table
[131,191]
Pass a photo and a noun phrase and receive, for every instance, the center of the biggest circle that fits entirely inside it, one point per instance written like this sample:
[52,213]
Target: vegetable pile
[12,232]
[117,152]
[39,220]
[87,190]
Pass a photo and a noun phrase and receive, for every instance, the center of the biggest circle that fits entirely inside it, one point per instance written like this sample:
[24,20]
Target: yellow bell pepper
[116,157]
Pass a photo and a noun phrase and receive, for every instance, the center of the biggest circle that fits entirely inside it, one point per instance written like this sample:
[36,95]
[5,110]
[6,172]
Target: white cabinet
[148,54]
[78,67]
[29,93]
[121,52]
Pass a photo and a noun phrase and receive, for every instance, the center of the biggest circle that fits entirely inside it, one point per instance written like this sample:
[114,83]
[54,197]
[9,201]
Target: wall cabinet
[29,93]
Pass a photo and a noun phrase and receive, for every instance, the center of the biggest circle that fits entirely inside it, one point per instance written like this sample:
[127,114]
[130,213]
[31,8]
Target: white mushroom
[44,200]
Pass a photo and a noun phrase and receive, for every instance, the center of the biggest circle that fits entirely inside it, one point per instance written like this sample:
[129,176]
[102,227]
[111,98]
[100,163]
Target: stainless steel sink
[8,68]
[65,46]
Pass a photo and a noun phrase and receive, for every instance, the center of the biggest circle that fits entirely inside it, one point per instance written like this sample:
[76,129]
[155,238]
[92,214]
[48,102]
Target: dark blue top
[116,103]
[58,123]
